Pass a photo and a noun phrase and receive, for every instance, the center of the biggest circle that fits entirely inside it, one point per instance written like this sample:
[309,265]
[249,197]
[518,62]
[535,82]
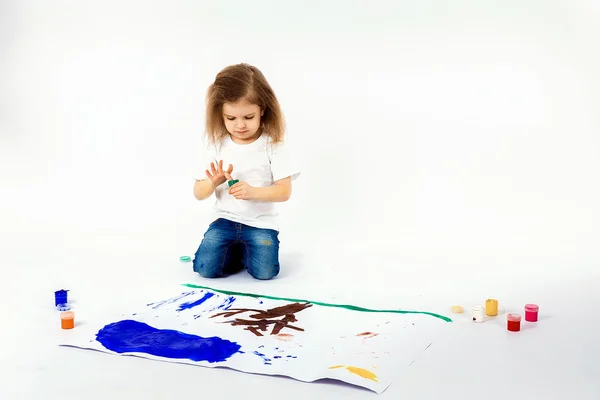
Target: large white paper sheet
[304,340]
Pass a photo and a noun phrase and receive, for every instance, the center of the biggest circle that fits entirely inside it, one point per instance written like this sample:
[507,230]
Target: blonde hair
[242,82]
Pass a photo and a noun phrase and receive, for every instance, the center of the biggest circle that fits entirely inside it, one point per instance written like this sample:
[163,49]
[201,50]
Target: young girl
[245,131]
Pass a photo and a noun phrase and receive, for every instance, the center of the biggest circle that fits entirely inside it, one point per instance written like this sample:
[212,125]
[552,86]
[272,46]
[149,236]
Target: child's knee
[208,263]
[207,269]
[264,272]
[263,256]
[263,265]
[209,273]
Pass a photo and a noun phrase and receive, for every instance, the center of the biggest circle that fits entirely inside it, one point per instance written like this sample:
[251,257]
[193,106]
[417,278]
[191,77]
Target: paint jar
[67,320]
[491,307]
[478,314]
[513,322]
[60,297]
[458,309]
[63,307]
[531,312]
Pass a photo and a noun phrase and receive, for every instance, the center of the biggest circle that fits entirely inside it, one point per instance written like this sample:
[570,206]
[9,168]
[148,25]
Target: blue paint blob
[130,336]
[266,359]
[277,357]
[292,357]
[227,303]
[192,304]
[171,300]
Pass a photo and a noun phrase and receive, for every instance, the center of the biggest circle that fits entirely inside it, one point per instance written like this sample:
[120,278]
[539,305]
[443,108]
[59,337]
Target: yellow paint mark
[364,373]
[266,242]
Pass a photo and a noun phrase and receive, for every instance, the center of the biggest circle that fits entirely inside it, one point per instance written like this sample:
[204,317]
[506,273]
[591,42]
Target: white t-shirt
[260,164]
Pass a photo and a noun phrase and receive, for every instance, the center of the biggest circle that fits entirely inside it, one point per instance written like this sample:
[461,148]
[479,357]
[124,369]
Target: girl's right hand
[218,174]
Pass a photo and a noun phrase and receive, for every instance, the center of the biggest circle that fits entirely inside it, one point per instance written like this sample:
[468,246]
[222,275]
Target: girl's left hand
[240,190]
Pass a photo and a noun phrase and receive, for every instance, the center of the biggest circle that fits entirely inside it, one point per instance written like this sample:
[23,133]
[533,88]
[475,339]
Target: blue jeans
[229,247]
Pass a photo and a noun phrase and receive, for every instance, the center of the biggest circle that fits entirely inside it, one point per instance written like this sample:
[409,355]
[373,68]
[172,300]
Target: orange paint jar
[67,320]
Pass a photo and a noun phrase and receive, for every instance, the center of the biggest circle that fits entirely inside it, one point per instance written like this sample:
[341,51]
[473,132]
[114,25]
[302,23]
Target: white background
[450,152]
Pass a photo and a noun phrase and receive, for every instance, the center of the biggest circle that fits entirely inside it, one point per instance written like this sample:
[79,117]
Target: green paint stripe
[345,306]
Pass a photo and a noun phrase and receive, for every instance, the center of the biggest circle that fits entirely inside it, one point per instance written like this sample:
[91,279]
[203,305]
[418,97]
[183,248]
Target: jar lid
[458,309]
[67,315]
[63,307]
[513,317]
[531,307]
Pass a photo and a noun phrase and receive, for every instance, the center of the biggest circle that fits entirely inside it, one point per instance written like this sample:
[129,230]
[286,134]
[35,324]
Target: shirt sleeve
[205,156]
[283,163]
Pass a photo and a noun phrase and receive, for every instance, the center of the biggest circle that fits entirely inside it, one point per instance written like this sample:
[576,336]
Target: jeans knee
[208,273]
[264,272]
[263,255]
[207,269]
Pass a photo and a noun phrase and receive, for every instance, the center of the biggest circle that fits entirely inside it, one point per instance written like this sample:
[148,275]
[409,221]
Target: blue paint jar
[60,297]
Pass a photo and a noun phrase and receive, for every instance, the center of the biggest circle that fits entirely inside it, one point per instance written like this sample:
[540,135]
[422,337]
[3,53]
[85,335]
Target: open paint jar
[513,322]
[67,320]
[60,297]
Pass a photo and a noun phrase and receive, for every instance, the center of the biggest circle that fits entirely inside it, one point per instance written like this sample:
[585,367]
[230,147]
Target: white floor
[450,154]
[551,359]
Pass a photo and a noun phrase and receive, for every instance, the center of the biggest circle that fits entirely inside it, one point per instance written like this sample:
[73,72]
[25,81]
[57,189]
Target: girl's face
[242,121]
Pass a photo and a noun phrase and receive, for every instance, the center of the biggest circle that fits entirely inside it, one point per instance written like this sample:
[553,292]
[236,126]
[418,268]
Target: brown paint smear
[279,317]
[368,334]
[284,336]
